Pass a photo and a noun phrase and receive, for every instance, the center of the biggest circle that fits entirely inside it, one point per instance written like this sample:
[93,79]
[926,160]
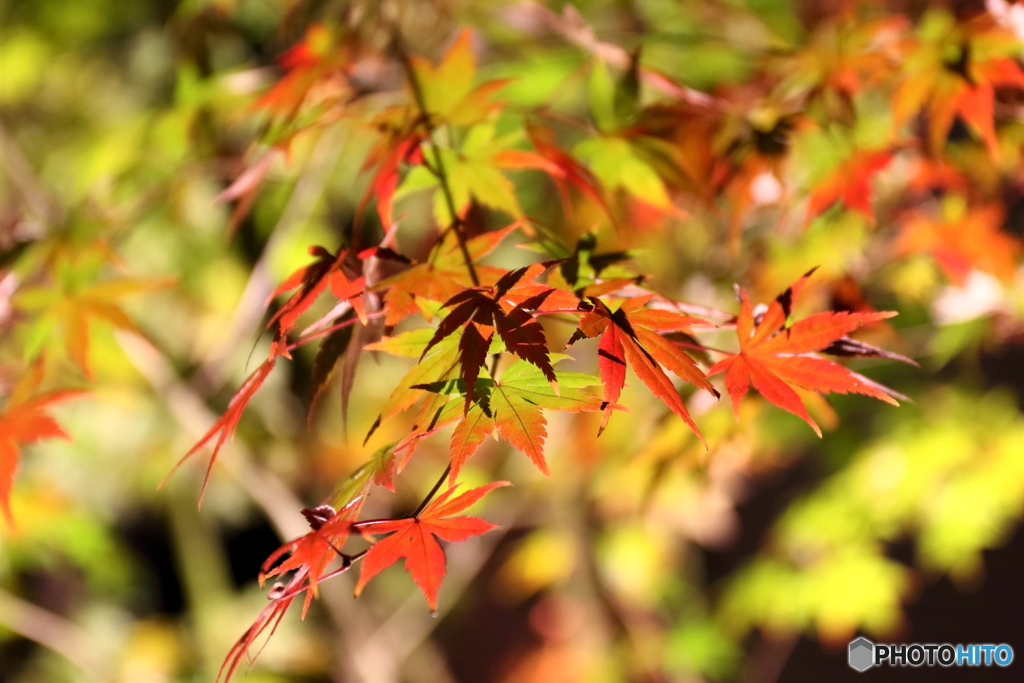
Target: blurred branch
[20,172]
[54,632]
[377,654]
[439,170]
[304,198]
[768,658]
[267,490]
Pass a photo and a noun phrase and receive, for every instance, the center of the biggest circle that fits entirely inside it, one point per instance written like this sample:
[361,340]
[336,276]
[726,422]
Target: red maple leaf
[850,183]
[309,558]
[227,423]
[416,540]
[962,239]
[316,58]
[311,554]
[506,308]
[633,334]
[23,423]
[775,358]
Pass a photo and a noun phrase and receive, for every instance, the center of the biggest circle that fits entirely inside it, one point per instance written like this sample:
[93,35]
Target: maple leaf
[225,426]
[316,58]
[76,307]
[309,558]
[442,276]
[569,173]
[400,138]
[633,334]
[504,308]
[415,540]
[473,172]
[447,91]
[512,406]
[850,183]
[335,270]
[23,423]
[954,71]
[961,239]
[310,555]
[775,358]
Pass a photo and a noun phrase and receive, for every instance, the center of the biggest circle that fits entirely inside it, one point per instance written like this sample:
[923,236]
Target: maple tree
[473,245]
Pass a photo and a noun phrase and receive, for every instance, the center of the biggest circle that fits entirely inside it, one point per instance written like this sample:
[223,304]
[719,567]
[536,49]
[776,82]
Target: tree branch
[21,175]
[442,176]
[53,632]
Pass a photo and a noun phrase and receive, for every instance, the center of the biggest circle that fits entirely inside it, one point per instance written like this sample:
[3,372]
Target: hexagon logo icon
[861,654]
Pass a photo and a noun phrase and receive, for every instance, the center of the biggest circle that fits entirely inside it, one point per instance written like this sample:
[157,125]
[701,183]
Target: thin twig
[433,491]
[20,172]
[266,489]
[442,176]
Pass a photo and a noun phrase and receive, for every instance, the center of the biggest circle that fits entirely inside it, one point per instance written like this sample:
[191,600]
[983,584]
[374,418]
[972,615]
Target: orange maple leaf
[850,183]
[310,557]
[962,239]
[775,358]
[415,540]
[23,423]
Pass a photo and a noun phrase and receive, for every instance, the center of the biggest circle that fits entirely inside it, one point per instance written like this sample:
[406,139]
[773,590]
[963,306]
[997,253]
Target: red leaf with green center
[513,406]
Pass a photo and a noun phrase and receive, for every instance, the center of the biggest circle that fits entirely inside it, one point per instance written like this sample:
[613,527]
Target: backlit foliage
[621,257]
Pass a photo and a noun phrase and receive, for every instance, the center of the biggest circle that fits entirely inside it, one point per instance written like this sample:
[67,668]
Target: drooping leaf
[633,334]
[330,353]
[415,540]
[225,426]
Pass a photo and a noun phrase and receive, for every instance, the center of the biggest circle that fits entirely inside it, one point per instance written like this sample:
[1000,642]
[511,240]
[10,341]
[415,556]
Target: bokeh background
[644,556]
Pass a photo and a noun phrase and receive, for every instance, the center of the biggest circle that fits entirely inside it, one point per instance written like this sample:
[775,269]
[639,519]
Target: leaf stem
[700,347]
[433,492]
[439,171]
[333,328]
